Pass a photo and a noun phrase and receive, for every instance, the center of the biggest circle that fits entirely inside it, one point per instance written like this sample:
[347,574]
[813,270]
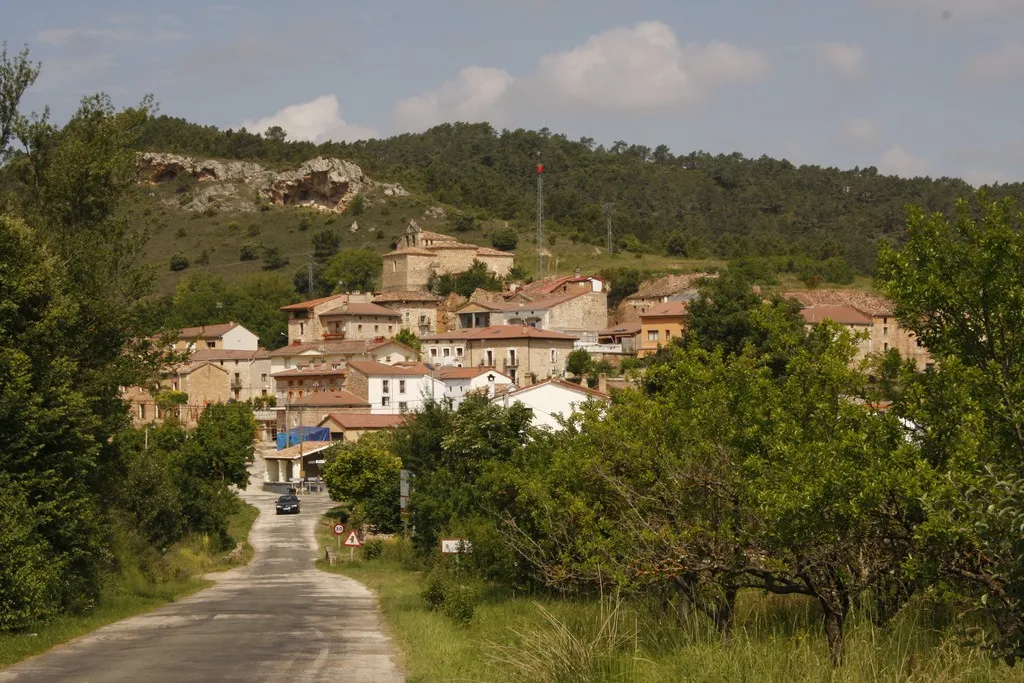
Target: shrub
[179,262]
[373,549]
[304,223]
[181,232]
[505,239]
[463,222]
[233,225]
[210,211]
[434,591]
[356,207]
[249,252]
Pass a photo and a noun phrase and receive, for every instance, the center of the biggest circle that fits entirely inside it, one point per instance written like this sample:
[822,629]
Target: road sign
[353,540]
[453,546]
[339,529]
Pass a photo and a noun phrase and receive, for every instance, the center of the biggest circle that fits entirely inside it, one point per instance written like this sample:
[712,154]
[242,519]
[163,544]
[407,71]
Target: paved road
[278,618]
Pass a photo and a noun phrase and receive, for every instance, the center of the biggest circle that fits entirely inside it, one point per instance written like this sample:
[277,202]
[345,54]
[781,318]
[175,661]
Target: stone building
[205,383]
[885,334]
[526,354]
[359,321]
[658,291]
[228,335]
[317,363]
[248,371]
[393,389]
[579,313]
[849,317]
[349,427]
[304,324]
[423,254]
[418,310]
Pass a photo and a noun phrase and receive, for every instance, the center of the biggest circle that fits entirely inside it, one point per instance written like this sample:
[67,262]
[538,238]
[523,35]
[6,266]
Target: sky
[913,87]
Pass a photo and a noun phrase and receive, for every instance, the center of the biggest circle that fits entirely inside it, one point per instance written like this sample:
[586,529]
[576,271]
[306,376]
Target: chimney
[602,383]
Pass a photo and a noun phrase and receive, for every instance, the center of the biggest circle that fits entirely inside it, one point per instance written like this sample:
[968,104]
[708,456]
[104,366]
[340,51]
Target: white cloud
[979,177]
[863,131]
[68,36]
[842,58]
[317,120]
[1002,65]
[898,161]
[638,69]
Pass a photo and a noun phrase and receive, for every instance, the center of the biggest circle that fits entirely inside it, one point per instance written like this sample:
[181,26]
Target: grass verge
[545,639]
[133,591]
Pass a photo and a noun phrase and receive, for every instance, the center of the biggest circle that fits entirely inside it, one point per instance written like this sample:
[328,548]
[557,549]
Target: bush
[463,222]
[373,549]
[249,252]
[179,262]
[210,211]
[505,239]
[444,594]
[356,207]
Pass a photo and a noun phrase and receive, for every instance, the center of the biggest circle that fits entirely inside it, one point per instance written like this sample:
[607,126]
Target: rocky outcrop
[322,183]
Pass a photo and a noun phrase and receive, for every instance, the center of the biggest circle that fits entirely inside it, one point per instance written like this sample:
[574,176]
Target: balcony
[510,363]
[236,385]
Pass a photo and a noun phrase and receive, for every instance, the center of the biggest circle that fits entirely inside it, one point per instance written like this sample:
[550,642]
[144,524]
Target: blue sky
[913,87]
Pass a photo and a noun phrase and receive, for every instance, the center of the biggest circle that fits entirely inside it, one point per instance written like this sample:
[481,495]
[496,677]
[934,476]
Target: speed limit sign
[339,529]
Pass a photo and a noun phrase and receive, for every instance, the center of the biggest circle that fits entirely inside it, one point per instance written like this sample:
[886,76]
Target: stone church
[422,254]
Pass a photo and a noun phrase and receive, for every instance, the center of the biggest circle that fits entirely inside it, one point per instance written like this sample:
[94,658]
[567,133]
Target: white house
[550,399]
[393,389]
[460,382]
[230,336]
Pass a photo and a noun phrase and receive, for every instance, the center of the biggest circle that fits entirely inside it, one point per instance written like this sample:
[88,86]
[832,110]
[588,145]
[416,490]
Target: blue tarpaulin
[302,434]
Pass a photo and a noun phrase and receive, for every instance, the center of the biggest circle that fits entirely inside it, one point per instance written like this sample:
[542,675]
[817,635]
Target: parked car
[288,505]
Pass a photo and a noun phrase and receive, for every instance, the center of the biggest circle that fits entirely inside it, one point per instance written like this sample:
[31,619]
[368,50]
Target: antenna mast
[540,218]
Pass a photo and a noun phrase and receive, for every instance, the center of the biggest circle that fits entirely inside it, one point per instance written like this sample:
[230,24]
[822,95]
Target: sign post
[352,542]
[339,530]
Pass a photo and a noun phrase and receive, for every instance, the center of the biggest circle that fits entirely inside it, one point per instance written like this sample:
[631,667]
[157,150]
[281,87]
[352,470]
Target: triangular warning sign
[353,540]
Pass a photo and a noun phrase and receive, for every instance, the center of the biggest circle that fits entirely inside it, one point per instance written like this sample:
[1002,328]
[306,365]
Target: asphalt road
[279,618]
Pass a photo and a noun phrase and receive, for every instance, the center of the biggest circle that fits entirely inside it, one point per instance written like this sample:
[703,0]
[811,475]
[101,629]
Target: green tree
[409,338]
[354,270]
[179,262]
[462,222]
[273,260]
[505,239]
[957,285]
[326,244]
[466,282]
[578,363]
[365,474]
[16,76]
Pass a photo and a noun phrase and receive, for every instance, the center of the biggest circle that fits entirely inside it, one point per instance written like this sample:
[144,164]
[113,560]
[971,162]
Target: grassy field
[538,638]
[132,592]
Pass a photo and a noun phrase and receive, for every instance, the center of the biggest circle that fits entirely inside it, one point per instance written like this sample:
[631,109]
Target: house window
[174,385]
[386,401]
[401,386]
[389,328]
[885,320]
[263,392]
[446,352]
[300,393]
[919,344]
[291,383]
[652,335]
[885,330]
[554,356]
[159,413]
[142,411]
[886,346]
[387,386]
[302,329]
[376,328]
[459,351]
[211,344]
[359,328]
[263,377]
[668,334]
[433,353]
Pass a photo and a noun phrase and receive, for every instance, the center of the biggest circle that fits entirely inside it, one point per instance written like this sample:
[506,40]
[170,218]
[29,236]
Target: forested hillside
[694,205]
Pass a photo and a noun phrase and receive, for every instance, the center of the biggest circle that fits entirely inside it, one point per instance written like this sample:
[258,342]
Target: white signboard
[452,546]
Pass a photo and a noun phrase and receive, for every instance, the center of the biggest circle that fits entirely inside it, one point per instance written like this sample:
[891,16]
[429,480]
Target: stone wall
[406,272]
[583,316]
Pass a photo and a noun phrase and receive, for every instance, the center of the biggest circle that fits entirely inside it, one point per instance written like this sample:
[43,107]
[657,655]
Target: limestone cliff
[326,184]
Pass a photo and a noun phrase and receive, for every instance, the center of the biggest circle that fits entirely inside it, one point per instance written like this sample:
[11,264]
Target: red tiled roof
[623,330]
[389,297]
[229,354]
[373,368]
[317,370]
[363,421]
[293,452]
[437,236]
[844,315]
[452,245]
[448,372]
[361,309]
[487,251]
[346,347]
[207,331]
[669,285]
[498,332]
[666,309]
[306,305]
[545,303]
[411,251]
[331,398]
[866,302]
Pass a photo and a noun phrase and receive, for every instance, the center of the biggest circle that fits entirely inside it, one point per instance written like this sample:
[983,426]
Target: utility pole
[608,215]
[540,218]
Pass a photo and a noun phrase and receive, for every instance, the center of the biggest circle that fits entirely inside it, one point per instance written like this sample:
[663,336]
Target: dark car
[288,505]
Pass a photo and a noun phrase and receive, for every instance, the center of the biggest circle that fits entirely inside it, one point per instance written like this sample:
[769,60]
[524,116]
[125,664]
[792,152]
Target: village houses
[302,368]
[579,313]
[658,291]
[551,400]
[660,324]
[526,354]
[417,311]
[460,382]
[394,389]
